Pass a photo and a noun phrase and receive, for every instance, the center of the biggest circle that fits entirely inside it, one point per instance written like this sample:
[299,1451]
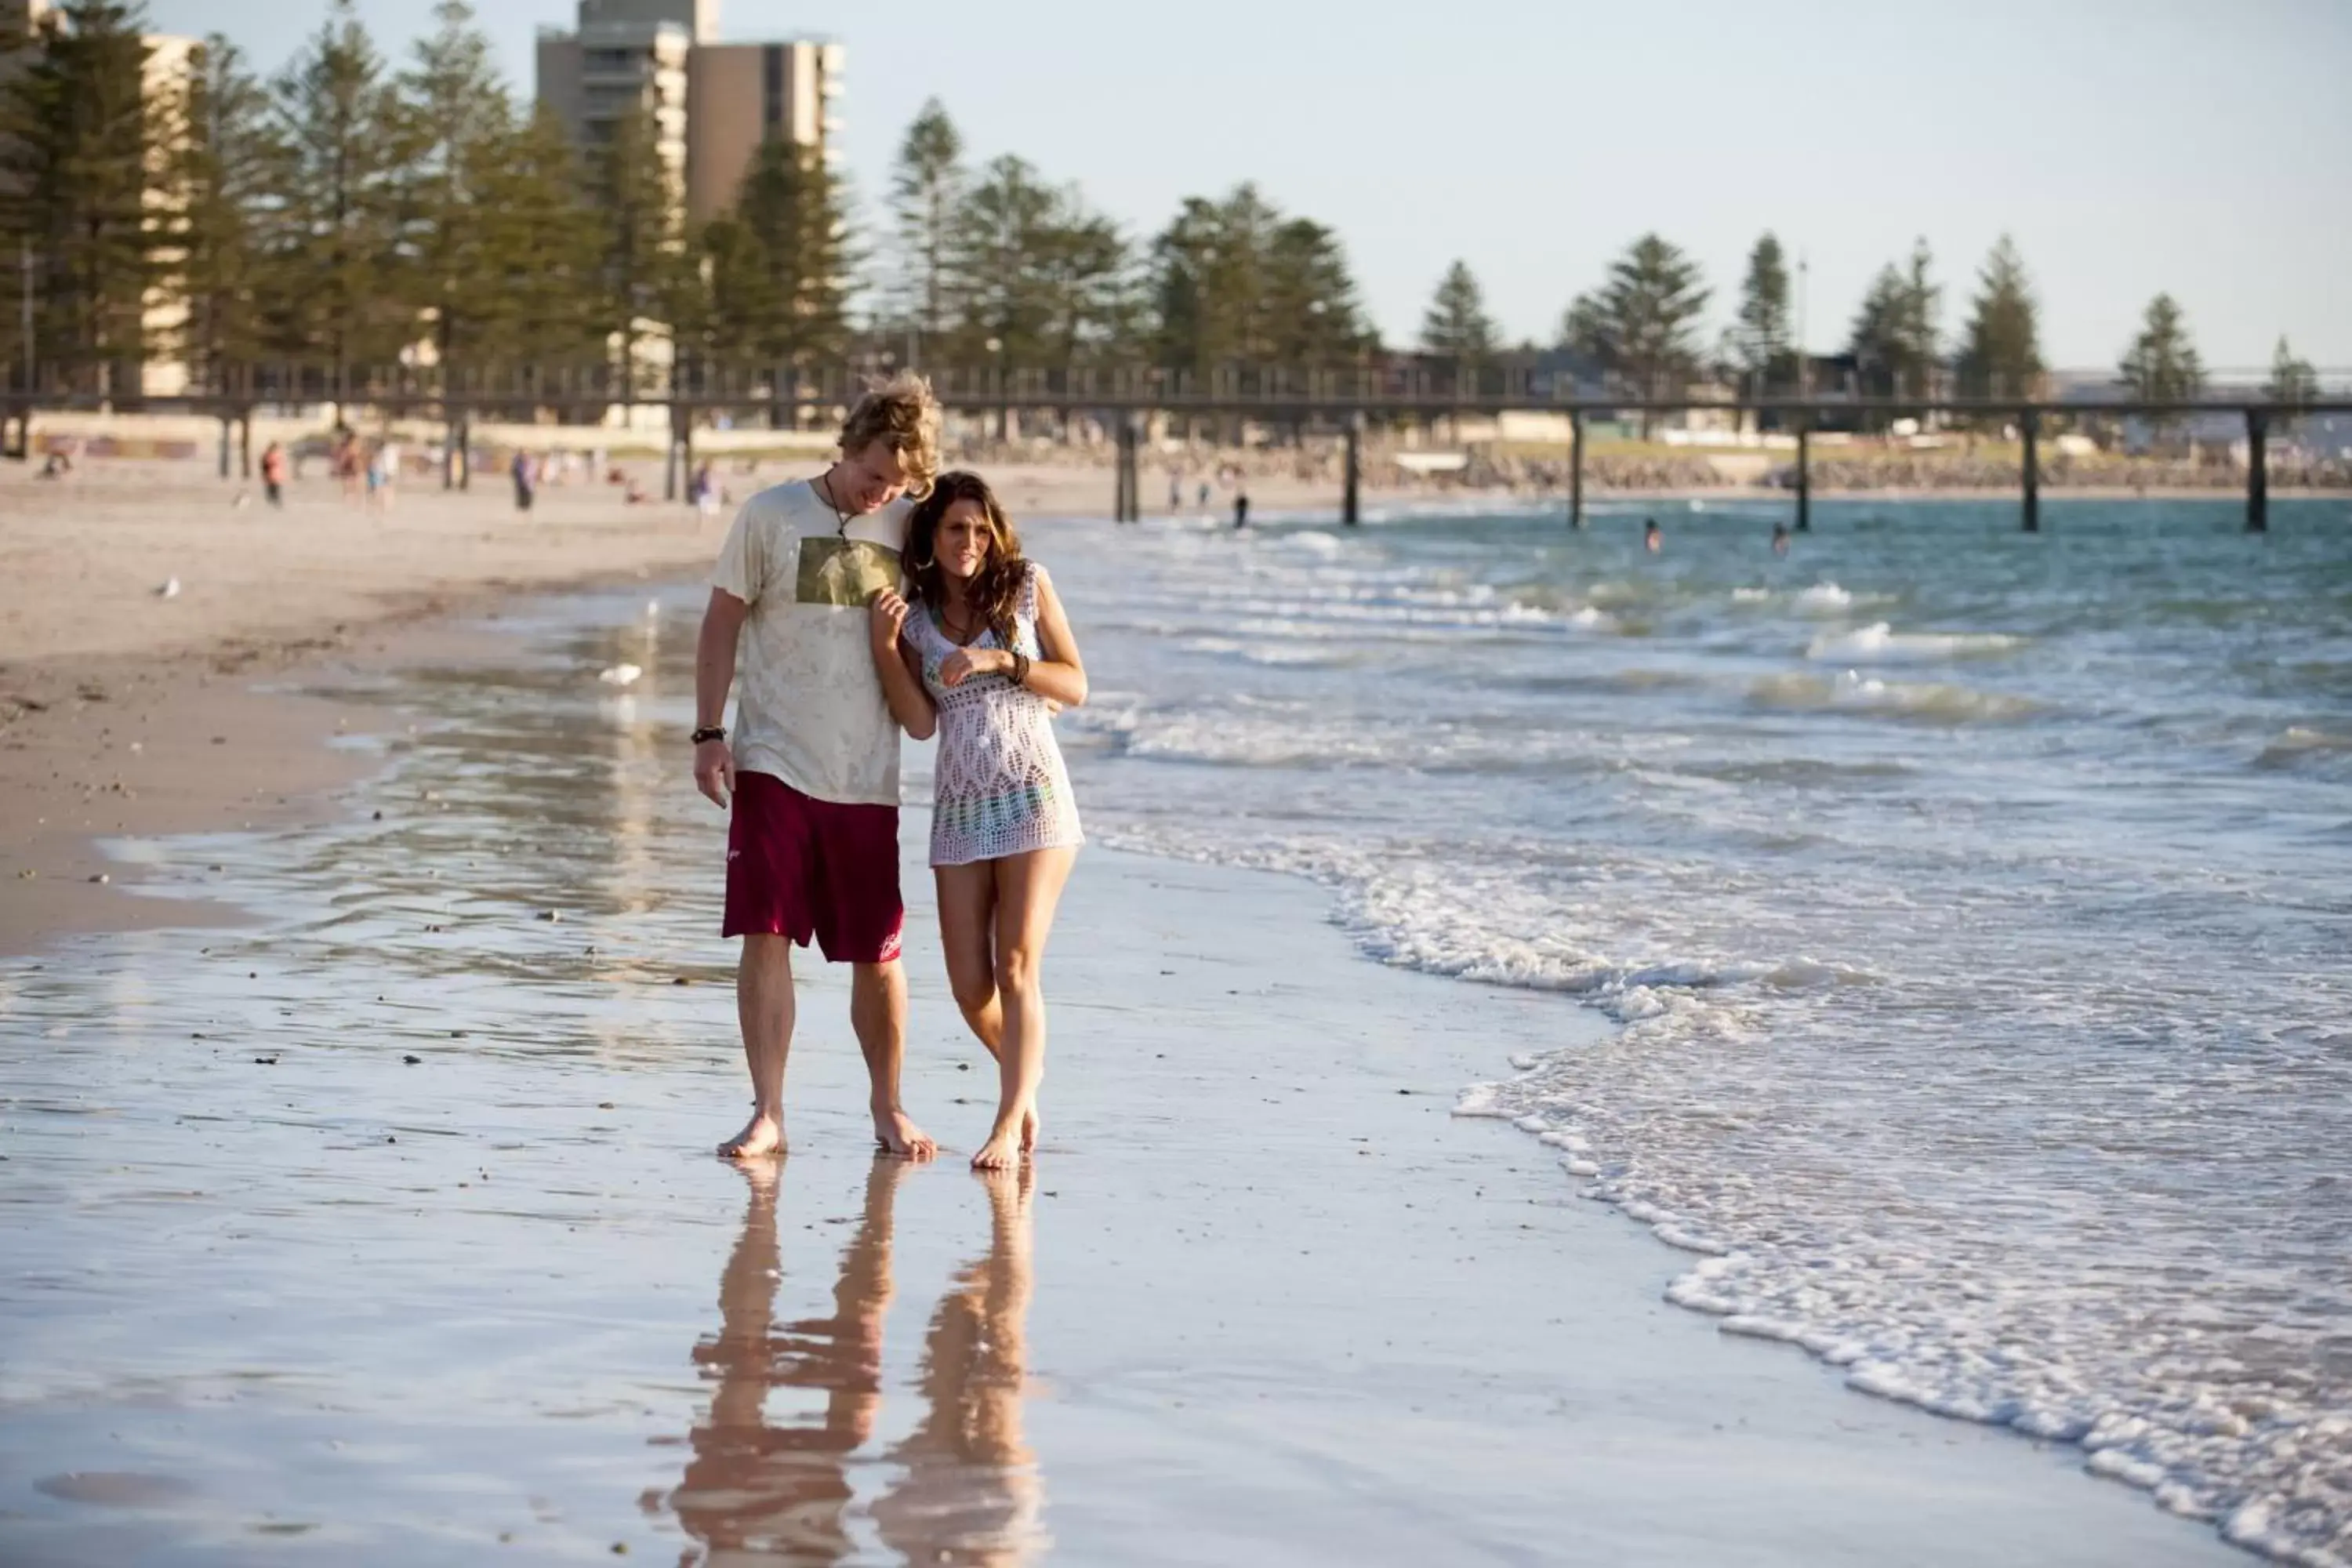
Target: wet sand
[279,1290]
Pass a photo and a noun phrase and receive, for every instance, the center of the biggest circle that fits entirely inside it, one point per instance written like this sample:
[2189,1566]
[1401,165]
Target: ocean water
[1976,908]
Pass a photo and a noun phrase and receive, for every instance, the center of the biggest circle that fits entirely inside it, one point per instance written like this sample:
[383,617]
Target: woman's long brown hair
[998,588]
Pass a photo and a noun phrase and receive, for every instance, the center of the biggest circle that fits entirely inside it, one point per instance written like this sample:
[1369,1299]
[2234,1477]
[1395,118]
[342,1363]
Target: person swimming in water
[1780,539]
[1652,540]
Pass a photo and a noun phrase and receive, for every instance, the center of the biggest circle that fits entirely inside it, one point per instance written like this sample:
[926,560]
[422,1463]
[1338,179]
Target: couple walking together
[878,597]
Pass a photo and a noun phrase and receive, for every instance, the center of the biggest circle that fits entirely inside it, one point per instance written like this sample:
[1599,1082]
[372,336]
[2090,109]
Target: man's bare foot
[897,1136]
[761,1135]
[1001,1152]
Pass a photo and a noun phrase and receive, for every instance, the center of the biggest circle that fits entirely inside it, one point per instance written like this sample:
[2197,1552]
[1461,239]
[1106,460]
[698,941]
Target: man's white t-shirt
[808,707]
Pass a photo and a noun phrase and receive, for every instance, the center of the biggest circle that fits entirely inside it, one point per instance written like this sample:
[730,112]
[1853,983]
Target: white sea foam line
[1880,643]
[2186,1446]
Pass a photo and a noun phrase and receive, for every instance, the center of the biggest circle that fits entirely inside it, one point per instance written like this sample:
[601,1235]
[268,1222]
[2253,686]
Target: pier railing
[1339,400]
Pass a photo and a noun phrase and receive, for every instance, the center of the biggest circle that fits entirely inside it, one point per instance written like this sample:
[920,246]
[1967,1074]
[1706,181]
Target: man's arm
[714,676]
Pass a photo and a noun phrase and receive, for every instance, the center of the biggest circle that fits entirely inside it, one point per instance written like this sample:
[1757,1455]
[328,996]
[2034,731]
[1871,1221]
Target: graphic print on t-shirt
[844,573]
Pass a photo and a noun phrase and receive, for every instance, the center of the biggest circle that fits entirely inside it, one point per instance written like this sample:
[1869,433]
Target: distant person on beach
[703,489]
[1204,495]
[812,774]
[1241,505]
[979,652]
[384,473]
[273,473]
[348,464]
[1780,539]
[1652,540]
[525,480]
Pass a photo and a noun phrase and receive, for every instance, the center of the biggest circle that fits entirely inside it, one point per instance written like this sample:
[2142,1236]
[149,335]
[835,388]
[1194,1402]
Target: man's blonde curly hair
[902,413]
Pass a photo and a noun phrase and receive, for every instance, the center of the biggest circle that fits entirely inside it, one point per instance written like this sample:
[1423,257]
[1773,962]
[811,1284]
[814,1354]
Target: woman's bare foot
[897,1133]
[764,1134]
[1029,1131]
[1001,1152]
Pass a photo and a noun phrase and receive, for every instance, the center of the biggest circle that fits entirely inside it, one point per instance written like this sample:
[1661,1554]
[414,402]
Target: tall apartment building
[712,104]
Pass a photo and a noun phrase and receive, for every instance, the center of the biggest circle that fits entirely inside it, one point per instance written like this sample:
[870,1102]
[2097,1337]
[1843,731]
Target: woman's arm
[895,666]
[1060,676]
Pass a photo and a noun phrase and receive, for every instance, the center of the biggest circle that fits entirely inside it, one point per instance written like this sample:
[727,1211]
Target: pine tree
[1457,326]
[638,196]
[1316,317]
[1211,274]
[2000,350]
[1642,326]
[454,127]
[2162,364]
[997,284]
[336,207]
[926,189]
[78,135]
[1760,343]
[792,210]
[540,252]
[1088,275]
[225,155]
[2293,380]
[1896,333]
[721,317]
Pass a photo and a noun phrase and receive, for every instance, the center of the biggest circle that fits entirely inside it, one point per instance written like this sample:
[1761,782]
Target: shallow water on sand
[388,1229]
[1976,908]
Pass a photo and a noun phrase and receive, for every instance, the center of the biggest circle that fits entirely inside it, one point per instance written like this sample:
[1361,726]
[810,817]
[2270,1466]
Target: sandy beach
[380,1227]
[124,711]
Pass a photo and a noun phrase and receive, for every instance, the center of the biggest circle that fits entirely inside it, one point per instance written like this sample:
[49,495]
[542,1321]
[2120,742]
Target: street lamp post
[1003,406]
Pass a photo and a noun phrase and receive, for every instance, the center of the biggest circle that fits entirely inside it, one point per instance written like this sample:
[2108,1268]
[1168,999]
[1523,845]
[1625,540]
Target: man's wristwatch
[710,733]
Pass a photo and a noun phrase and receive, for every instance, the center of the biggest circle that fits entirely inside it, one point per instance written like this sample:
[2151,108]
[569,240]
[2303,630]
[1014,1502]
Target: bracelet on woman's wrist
[1019,669]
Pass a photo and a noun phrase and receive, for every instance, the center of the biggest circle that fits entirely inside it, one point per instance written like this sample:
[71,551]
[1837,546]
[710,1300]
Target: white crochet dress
[1000,785]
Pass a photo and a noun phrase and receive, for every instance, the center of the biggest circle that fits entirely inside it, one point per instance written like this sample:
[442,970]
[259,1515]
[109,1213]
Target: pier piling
[1350,511]
[669,460]
[1126,487]
[1576,467]
[2028,430]
[1804,478]
[2258,475]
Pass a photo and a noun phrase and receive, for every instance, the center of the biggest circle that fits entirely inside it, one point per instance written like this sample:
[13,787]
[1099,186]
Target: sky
[2128,146]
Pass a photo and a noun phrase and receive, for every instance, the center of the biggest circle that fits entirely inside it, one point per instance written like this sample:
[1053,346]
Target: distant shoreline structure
[1855,468]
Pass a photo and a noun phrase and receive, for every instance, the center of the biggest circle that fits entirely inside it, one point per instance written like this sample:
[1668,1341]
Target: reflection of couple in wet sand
[778,1487]
[877,597]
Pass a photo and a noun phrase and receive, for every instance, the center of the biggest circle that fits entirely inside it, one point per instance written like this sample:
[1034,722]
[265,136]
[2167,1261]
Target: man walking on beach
[812,774]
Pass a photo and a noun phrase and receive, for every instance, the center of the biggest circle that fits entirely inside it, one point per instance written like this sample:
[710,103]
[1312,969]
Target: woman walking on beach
[982,655]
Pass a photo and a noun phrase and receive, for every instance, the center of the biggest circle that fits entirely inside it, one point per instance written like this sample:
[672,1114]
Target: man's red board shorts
[799,866]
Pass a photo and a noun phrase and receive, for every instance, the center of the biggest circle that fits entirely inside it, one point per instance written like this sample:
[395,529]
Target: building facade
[712,104]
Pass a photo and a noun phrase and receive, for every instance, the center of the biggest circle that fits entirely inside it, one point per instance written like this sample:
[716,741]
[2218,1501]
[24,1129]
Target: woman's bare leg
[967,937]
[1028,887]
